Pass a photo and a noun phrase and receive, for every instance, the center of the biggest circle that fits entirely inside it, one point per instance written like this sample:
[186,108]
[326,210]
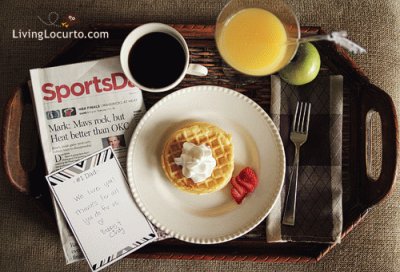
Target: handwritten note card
[96,201]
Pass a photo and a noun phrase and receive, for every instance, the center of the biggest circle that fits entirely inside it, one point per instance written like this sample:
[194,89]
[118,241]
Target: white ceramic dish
[214,217]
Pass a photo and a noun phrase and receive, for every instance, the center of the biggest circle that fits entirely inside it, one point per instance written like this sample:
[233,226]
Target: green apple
[304,67]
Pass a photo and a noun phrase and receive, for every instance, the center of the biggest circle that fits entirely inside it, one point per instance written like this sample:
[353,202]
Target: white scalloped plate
[214,217]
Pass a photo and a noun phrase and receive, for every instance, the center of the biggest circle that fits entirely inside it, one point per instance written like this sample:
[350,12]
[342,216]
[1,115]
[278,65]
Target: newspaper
[80,109]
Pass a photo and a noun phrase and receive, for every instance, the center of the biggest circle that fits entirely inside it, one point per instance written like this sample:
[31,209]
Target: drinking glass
[257,37]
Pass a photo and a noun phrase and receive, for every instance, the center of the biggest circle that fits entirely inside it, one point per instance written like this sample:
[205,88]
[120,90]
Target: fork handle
[290,203]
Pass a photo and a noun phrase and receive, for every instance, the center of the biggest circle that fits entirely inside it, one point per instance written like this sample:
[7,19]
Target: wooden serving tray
[360,97]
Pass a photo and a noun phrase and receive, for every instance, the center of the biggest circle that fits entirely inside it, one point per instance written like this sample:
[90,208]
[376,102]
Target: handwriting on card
[103,197]
[113,230]
[96,201]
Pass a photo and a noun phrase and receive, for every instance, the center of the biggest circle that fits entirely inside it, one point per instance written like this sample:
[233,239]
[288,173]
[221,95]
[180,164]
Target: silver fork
[298,136]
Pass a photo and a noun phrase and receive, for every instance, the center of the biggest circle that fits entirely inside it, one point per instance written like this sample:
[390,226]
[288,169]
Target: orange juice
[253,41]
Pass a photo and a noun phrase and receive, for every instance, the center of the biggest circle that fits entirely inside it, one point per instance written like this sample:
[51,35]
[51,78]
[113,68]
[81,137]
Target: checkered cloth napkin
[319,192]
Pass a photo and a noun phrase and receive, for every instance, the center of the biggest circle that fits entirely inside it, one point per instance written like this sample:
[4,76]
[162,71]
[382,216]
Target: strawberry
[247,185]
[243,184]
[248,175]
[238,197]
[241,190]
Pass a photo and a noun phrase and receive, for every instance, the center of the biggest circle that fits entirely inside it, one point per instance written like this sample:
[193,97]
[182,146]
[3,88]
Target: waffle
[198,133]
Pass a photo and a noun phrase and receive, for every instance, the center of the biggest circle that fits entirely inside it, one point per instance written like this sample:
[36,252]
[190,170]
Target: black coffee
[157,60]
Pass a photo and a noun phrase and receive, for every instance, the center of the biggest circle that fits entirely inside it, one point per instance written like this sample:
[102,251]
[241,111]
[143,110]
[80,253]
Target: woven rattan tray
[360,97]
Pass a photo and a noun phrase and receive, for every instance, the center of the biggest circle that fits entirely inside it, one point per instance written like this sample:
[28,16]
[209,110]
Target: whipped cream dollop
[197,161]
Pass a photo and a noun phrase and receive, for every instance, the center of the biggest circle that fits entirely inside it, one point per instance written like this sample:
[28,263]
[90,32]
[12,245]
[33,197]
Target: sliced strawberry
[242,190]
[242,184]
[248,175]
[238,197]
[249,186]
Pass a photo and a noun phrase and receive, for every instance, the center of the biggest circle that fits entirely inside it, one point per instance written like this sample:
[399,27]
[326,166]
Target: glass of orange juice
[257,37]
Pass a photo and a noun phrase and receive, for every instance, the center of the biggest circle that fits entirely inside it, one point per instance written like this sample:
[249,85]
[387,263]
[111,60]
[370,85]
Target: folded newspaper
[80,109]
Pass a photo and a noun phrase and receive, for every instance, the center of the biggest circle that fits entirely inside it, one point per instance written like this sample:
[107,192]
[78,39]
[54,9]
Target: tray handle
[375,99]
[15,172]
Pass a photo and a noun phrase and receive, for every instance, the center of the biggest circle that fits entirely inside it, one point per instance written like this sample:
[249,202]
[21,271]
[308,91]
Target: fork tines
[301,118]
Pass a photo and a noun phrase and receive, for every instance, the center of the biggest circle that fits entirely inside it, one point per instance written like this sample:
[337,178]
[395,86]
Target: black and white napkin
[319,193]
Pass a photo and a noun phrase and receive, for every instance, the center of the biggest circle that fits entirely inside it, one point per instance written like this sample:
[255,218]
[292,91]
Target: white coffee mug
[137,33]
